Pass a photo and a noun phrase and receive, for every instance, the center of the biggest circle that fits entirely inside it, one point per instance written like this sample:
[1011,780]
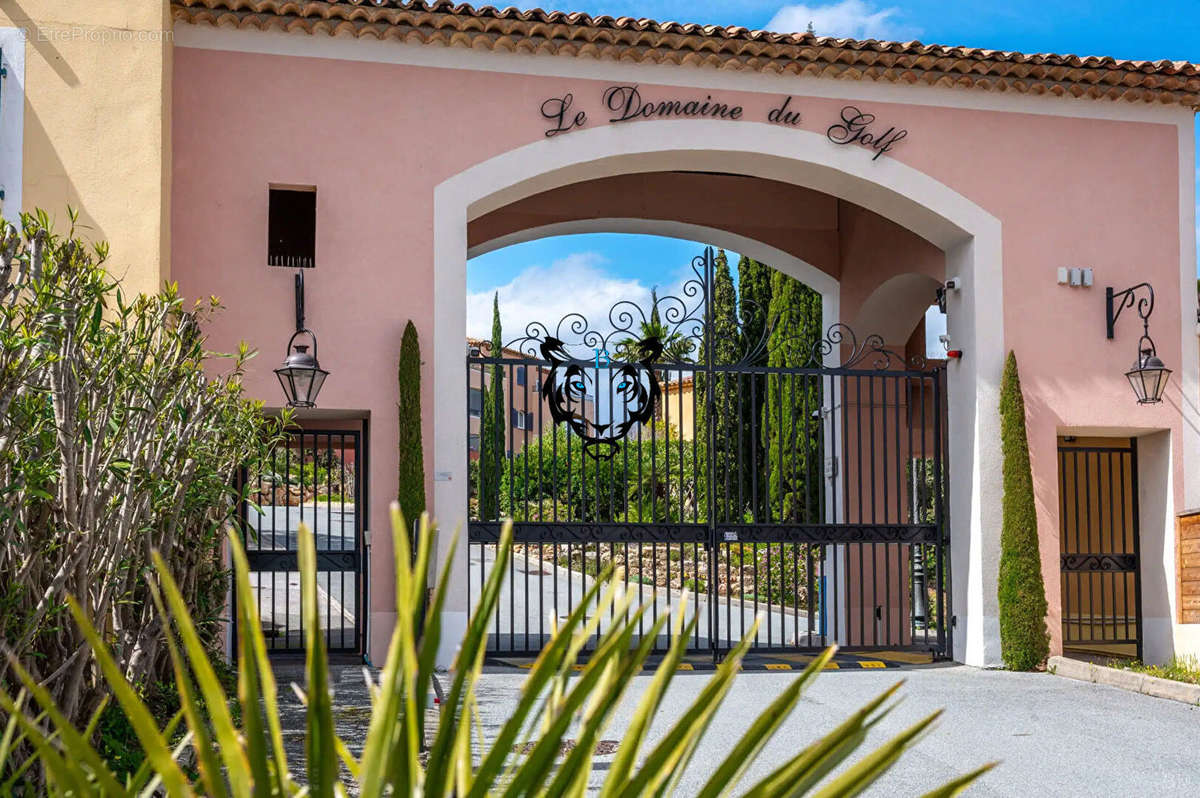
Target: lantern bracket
[300,302]
[1117,301]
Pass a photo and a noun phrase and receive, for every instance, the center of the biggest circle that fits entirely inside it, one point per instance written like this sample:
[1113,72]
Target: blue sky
[544,279]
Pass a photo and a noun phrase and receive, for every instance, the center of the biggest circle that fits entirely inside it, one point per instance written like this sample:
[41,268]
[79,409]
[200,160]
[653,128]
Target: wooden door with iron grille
[1098,539]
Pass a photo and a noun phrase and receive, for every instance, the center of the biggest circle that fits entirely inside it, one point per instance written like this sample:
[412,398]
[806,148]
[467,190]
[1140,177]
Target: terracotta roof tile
[643,40]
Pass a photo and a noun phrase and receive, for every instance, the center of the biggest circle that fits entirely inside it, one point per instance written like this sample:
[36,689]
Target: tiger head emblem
[630,383]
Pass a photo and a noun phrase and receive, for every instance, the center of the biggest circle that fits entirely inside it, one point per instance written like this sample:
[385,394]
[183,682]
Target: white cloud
[578,283]
[855,19]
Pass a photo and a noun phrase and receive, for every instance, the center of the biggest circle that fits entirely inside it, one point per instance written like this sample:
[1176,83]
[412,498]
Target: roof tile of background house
[626,38]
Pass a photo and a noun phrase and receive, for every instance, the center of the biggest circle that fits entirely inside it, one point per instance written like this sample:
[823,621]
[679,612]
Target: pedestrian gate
[1098,537]
[312,478]
[719,455]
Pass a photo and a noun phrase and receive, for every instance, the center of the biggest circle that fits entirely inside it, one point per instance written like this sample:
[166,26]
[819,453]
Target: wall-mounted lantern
[1148,376]
[301,376]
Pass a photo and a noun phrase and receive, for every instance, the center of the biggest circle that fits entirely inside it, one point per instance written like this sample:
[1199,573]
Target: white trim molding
[810,275]
[969,235]
[12,119]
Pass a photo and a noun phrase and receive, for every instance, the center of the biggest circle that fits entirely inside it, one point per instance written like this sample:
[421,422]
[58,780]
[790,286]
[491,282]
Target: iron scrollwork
[637,347]
[1107,563]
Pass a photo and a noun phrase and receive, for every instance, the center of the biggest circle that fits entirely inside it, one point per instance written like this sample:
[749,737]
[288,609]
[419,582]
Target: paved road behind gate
[1054,736]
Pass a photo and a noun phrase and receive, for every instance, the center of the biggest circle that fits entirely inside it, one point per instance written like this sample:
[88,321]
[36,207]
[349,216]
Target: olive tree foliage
[115,440]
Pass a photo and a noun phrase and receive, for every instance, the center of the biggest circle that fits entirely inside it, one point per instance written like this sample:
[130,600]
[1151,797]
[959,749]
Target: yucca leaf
[863,774]
[347,758]
[151,788]
[463,759]
[381,731]
[639,726]
[153,744]
[319,749]
[404,766]
[462,750]
[138,781]
[548,663]
[802,772]
[431,629]
[249,694]
[69,779]
[956,787]
[250,631]
[237,769]
[747,749]
[537,766]
[572,776]
[94,721]
[17,718]
[671,754]
[10,728]
[473,645]
[74,744]
[6,789]
[384,738]
[206,756]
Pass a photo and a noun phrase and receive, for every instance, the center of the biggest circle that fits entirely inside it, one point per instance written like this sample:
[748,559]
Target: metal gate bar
[310,479]
[812,495]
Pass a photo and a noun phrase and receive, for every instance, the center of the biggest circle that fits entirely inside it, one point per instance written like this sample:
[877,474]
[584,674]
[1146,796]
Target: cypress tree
[1024,641]
[754,293]
[411,491]
[491,426]
[791,422]
[724,431]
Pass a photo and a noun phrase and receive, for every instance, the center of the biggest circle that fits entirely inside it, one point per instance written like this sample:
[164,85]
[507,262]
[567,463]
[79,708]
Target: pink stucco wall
[376,139]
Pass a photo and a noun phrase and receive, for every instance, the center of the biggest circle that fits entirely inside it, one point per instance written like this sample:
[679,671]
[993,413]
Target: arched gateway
[875,172]
[967,235]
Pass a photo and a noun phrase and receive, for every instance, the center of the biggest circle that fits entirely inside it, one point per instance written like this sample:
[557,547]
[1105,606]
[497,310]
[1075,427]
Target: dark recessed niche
[292,228]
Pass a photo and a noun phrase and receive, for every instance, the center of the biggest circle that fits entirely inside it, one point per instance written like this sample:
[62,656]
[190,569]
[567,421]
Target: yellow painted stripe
[832,666]
[577,667]
[685,666]
[778,666]
[871,663]
[526,665]
[909,657]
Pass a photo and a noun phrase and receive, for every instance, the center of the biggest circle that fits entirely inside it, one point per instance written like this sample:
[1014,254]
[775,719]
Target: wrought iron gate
[810,493]
[1098,537]
[312,479]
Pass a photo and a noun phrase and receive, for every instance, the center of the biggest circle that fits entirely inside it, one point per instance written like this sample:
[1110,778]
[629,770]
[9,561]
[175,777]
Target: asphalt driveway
[1053,736]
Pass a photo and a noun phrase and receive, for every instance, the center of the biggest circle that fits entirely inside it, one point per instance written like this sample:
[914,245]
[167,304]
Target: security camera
[954,284]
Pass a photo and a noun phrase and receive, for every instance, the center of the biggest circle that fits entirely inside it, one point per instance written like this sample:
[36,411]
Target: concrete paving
[278,592]
[1052,736]
[523,612]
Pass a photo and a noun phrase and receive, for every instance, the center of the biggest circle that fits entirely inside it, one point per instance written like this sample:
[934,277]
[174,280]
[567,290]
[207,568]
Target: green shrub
[1180,668]
[1024,641]
[560,700]
[119,434]
[648,480]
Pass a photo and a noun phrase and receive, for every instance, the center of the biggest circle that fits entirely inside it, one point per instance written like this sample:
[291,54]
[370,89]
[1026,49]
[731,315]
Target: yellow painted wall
[97,132]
